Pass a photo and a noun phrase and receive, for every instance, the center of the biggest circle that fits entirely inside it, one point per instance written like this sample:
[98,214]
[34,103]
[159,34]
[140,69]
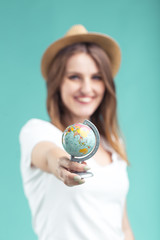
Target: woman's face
[82,89]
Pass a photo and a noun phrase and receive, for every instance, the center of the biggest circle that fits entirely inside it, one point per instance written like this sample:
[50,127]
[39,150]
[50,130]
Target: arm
[52,159]
[126,226]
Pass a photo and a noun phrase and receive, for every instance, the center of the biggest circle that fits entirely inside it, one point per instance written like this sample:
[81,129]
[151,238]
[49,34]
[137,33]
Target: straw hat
[78,33]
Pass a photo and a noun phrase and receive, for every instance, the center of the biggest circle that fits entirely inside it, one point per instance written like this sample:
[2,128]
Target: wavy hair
[105,117]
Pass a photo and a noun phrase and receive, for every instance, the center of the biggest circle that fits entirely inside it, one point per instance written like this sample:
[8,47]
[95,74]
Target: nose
[86,86]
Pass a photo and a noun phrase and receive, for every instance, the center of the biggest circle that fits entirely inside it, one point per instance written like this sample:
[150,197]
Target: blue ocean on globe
[78,140]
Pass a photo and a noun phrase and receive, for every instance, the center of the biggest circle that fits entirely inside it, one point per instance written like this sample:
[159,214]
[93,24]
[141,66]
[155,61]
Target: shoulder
[35,123]
[38,128]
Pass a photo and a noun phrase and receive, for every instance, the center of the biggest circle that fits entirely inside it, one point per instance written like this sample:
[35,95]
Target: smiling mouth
[84,99]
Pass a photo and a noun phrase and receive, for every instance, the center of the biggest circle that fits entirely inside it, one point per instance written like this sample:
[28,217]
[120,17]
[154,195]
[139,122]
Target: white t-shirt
[91,211]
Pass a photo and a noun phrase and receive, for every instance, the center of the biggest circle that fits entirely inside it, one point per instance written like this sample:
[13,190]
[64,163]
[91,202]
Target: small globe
[78,140]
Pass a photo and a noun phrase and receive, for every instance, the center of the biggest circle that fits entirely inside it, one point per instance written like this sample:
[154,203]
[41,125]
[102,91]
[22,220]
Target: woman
[79,70]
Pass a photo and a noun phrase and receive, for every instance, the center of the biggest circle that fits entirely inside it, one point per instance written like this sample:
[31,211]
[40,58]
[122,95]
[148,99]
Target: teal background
[26,29]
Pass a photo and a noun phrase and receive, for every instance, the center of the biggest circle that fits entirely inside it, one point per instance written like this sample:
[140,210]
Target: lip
[84,100]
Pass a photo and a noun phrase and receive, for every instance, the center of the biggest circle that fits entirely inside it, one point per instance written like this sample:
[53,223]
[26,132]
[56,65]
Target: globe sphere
[78,140]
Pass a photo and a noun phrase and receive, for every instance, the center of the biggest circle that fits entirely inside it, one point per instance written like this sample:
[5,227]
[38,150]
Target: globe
[78,140]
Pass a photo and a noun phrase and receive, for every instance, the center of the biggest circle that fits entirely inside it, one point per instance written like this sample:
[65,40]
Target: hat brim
[109,45]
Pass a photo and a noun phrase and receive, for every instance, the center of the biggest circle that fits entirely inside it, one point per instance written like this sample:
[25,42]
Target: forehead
[81,62]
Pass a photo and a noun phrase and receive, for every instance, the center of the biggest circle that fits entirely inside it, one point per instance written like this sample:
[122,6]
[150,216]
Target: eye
[73,77]
[97,77]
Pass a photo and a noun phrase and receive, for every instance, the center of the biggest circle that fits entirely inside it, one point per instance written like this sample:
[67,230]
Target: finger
[70,179]
[74,166]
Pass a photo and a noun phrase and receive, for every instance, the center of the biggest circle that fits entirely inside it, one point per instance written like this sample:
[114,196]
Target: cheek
[66,91]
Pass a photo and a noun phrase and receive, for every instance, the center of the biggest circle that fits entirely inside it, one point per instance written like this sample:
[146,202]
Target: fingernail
[86,168]
[81,181]
[77,178]
[84,162]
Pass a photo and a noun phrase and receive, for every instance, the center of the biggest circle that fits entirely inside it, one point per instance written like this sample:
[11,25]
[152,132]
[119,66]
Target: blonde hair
[105,117]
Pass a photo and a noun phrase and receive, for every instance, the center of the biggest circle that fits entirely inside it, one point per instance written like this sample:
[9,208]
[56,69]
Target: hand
[64,168]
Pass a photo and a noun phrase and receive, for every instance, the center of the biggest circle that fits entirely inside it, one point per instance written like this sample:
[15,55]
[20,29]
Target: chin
[85,115]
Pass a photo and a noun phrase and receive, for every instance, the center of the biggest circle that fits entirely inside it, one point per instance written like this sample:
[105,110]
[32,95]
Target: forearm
[52,159]
[126,225]
[128,234]
[45,156]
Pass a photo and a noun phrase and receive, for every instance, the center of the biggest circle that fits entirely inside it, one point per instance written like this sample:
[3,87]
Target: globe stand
[82,159]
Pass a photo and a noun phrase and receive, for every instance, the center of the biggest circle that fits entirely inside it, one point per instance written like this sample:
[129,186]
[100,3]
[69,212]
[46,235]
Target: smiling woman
[79,70]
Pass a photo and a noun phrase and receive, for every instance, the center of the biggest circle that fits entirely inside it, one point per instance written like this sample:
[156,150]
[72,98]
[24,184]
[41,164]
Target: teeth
[84,99]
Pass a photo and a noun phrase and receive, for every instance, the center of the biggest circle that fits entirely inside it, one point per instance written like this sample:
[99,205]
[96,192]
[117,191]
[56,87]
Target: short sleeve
[33,132]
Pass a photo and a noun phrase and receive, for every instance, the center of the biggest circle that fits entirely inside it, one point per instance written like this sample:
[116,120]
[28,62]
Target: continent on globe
[78,140]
